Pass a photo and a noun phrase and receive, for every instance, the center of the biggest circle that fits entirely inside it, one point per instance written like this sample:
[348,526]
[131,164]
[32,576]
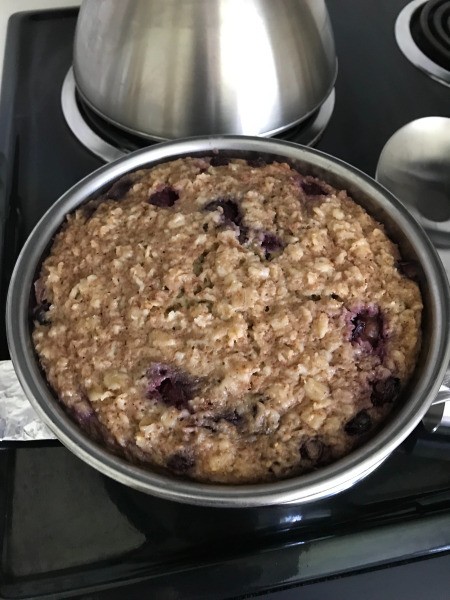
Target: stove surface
[68,530]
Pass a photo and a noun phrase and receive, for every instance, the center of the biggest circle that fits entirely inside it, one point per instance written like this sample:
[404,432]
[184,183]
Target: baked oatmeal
[226,320]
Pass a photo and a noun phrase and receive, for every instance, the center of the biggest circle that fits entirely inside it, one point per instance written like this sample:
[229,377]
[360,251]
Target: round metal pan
[400,226]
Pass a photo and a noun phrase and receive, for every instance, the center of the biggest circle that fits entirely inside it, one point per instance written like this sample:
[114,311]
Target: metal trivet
[422,31]
[109,142]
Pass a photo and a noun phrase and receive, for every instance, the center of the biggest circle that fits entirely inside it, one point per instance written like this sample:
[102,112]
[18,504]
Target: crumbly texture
[225,320]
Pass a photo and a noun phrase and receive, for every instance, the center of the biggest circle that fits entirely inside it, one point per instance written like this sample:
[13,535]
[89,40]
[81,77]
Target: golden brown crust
[230,323]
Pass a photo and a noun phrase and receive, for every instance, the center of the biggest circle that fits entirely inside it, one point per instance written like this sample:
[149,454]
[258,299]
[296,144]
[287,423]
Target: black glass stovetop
[66,530]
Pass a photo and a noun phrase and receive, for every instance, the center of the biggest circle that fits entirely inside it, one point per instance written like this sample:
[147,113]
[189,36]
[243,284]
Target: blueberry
[367,327]
[119,189]
[311,188]
[385,391]
[408,268]
[312,449]
[40,310]
[256,162]
[170,386]
[219,161]
[243,234]
[89,208]
[164,198]
[40,291]
[83,413]
[272,244]
[180,462]
[40,313]
[231,215]
[174,392]
[212,421]
[232,417]
[230,209]
[359,424]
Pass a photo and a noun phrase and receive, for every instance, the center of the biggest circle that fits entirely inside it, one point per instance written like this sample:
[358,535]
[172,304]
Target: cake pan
[400,226]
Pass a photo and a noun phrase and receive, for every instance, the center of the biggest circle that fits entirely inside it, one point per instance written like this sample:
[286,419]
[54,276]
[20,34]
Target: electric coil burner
[109,142]
[422,31]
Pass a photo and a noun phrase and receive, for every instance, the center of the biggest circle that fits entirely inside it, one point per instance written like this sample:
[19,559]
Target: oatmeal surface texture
[225,320]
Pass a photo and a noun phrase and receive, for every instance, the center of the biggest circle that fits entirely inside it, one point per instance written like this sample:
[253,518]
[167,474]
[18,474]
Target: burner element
[110,142]
[422,32]
[430,29]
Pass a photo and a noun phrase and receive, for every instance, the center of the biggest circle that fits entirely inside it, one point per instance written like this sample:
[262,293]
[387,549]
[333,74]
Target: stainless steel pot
[378,201]
[167,69]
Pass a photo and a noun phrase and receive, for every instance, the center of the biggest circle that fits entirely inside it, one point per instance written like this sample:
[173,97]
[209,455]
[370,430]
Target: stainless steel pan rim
[325,481]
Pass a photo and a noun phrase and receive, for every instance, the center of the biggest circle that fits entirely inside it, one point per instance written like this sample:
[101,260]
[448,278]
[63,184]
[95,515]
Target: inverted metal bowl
[166,69]
[401,227]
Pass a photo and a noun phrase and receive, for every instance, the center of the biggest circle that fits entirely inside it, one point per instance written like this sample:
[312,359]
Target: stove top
[68,531]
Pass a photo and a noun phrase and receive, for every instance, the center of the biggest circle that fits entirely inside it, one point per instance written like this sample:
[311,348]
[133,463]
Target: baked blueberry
[231,215]
[165,198]
[243,234]
[367,327]
[40,291]
[408,268]
[257,162]
[359,424]
[271,244]
[83,413]
[312,449]
[231,416]
[180,462]
[118,190]
[311,188]
[219,161]
[230,209]
[385,391]
[170,386]
[90,208]
[40,313]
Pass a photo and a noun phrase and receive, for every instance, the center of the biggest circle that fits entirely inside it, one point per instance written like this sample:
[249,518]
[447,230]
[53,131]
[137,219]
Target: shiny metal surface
[437,418]
[166,69]
[81,130]
[415,166]
[414,245]
[307,133]
[410,49]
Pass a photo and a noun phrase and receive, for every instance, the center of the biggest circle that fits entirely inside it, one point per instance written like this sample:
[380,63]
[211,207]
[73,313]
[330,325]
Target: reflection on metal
[306,134]
[415,166]
[309,132]
[165,69]
[437,419]
[80,128]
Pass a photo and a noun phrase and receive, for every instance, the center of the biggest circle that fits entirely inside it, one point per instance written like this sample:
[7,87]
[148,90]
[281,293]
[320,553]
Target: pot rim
[304,488]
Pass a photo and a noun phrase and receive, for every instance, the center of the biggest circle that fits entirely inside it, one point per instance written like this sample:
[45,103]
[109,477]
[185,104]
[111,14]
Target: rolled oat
[229,321]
